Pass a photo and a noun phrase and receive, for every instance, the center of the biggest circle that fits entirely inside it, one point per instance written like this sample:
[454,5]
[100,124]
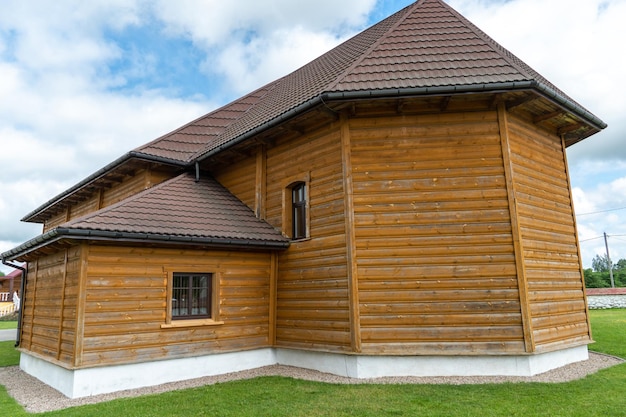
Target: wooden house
[399,206]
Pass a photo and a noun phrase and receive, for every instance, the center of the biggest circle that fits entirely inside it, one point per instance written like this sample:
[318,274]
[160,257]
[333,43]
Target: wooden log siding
[49,320]
[312,289]
[435,254]
[101,198]
[551,258]
[240,180]
[126,298]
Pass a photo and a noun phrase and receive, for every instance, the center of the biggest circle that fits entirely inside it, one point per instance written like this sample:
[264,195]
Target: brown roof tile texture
[427,44]
[182,207]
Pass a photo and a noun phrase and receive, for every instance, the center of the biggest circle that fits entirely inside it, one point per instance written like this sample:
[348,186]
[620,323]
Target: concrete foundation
[92,381]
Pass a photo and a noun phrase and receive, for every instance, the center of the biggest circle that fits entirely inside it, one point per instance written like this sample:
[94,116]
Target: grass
[8,325]
[9,356]
[608,328]
[601,394]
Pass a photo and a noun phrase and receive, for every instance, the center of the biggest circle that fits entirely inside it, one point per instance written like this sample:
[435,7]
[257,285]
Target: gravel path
[36,397]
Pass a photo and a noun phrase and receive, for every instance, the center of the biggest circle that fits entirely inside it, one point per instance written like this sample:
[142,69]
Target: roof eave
[30,217]
[328,97]
[61,233]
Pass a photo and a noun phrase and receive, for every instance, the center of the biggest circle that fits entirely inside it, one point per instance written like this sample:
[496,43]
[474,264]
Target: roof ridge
[405,11]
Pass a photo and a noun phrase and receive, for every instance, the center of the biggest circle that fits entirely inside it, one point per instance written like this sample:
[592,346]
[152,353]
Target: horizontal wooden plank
[438,271]
[430,241]
[444,348]
[394,260]
[419,319]
[401,283]
[442,333]
[548,308]
[452,295]
[560,333]
[468,229]
[435,307]
[312,336]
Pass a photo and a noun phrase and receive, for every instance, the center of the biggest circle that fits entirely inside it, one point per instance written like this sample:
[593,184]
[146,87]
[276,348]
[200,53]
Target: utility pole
[608,258]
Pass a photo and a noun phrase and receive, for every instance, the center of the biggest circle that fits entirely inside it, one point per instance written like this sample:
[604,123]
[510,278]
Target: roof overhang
[592,123]
[69,236]
[107,174]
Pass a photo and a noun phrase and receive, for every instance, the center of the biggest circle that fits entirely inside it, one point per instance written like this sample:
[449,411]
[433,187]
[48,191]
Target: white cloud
[67,110]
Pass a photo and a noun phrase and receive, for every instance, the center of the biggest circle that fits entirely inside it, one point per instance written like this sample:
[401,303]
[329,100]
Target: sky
[84,82]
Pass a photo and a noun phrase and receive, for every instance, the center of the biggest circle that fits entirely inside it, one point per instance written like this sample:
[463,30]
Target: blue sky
[82,83]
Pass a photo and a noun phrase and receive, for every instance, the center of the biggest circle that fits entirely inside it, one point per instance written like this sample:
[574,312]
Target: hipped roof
[180,211]
[424,49]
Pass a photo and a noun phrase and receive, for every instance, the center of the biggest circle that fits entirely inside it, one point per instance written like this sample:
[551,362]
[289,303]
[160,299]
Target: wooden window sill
[191,323]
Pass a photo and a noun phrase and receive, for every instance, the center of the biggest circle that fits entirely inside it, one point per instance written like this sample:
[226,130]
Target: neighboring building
[399,206]
[10,285]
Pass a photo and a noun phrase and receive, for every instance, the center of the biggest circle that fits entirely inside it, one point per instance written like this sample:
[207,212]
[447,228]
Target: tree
[600,263]
[620,265]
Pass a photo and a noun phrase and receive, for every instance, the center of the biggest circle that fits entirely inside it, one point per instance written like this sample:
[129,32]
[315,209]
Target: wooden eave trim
[127,163]
[547,116]
[580,259]
[62,307]
[351,255]
[81,299]
[529,343]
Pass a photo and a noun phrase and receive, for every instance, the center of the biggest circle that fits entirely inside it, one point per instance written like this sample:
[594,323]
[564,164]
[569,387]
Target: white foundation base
[92,381]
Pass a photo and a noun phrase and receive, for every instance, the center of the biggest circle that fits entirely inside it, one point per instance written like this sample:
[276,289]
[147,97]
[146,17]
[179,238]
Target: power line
[601,211]
[591,238]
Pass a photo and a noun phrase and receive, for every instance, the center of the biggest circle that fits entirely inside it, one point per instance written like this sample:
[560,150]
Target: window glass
[298,215]
[191,296]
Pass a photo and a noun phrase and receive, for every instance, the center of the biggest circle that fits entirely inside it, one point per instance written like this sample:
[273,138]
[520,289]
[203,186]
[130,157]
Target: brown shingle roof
[426,48]
[177,211]
[182,207]
[427,45]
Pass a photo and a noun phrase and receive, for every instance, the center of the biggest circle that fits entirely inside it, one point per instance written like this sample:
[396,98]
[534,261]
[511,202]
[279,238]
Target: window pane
[298,212]
[191,296]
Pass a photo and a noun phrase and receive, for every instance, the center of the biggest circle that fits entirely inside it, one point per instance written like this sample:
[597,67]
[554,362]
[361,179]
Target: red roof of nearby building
[606,291]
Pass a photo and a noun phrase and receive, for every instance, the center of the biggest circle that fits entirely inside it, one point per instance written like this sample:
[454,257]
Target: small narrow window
[298,211]
[191,296]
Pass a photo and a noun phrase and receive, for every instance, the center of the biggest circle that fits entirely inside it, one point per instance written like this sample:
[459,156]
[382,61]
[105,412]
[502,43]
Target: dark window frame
[299,218]
[188,296]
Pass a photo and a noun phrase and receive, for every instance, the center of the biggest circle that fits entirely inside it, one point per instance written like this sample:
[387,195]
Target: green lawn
[601,394]
[8,325]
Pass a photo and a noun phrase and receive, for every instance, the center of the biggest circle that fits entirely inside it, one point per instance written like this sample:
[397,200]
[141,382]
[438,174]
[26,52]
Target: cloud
[574,44]
[250,43]
[83,82]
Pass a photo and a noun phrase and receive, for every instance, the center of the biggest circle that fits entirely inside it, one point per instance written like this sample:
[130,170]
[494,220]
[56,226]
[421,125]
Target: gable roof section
[178,211]
[426,48]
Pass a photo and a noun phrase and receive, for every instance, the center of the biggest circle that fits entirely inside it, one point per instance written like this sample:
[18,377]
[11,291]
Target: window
[191,296]
[298,211]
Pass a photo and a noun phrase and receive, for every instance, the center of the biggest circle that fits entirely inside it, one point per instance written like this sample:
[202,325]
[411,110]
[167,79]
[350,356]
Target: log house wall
[313,308]
[50,306]
[126,297]
[420,259]
[434,246]
[551,258]
[116,312]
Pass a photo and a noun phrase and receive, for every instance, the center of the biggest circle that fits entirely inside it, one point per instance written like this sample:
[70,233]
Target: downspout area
[22,288]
